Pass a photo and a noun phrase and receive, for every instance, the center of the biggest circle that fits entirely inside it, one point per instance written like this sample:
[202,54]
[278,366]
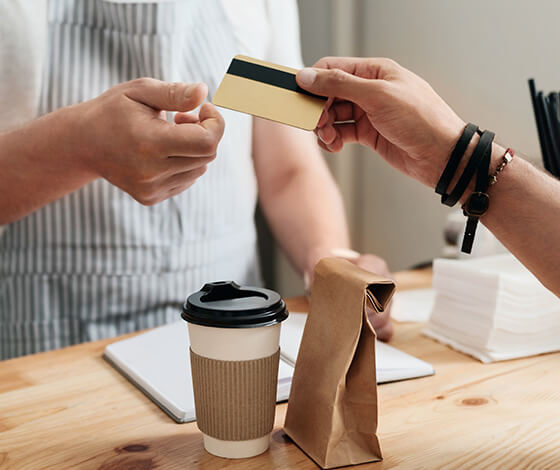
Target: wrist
[72,127]
[56,139]
[318,253]
[445,143]
[327,251]
[495,158]
[44,140]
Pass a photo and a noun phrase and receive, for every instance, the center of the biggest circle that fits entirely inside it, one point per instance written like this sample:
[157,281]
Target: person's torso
[96,262]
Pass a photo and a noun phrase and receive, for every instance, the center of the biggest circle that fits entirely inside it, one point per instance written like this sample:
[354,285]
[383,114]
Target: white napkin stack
[493,308]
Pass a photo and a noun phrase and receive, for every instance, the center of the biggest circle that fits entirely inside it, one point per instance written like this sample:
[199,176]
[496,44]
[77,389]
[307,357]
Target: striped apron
[96,263]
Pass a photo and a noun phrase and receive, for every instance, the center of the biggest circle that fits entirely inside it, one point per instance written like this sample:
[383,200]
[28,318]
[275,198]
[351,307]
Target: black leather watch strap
[483,146]
[455,158]
[478,202]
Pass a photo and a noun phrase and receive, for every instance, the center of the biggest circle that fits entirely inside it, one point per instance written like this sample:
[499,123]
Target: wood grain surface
[69,409]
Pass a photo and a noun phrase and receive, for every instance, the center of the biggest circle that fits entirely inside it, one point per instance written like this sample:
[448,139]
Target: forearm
[395,112]
[37,166]
[524,215]
[298,194]
[307,217]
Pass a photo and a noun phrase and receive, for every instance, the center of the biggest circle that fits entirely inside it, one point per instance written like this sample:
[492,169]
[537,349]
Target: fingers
[325,113]
[371,68]
[350,78]
[158,191]
[335,146]
[333,138]
[181,181]
[180,189]
[337,83]
[330,130]
[381,323]
[211,120]
[187,140]
[347,133]
[374,264]
[348,64]
[341,111]
[324,146]
[326,132]
[177,164]
[194,139]
[166,96]
[186,118]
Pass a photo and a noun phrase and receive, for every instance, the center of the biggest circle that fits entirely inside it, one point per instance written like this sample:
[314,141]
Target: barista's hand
[381,322]
[395,112]
[123,137]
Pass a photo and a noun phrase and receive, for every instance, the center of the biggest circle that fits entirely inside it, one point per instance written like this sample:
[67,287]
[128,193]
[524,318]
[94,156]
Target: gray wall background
[478,55]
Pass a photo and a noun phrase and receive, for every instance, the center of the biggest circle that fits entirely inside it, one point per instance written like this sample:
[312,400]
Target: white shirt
[96,263]
[23,37]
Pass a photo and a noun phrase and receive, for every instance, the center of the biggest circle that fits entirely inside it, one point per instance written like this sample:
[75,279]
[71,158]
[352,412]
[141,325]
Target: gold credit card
[269,91]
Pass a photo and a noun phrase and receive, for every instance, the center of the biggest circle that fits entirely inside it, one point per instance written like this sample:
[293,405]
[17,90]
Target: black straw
[547,118]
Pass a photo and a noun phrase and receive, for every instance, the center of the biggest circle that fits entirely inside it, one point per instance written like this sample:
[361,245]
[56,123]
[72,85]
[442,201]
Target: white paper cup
[234,366]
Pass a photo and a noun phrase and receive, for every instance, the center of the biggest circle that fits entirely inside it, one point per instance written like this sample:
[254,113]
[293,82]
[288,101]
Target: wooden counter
[69,409]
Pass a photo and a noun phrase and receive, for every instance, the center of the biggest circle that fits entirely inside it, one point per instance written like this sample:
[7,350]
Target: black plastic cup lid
[226,304]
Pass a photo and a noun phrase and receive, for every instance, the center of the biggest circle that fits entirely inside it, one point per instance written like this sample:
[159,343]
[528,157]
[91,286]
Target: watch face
[477,204]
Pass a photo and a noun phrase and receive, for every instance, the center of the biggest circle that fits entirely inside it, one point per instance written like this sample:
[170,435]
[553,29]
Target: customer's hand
[123,137]
[394,111]
[381,322]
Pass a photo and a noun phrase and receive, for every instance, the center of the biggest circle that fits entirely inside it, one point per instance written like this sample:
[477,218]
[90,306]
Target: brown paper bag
[332,409]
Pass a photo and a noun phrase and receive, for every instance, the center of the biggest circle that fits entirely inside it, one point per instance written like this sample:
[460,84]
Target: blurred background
[478,55]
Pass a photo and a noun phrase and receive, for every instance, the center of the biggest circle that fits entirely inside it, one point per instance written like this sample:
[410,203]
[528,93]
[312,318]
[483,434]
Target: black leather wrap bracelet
[483,145]
[479,163]
[478,202]
[455,158]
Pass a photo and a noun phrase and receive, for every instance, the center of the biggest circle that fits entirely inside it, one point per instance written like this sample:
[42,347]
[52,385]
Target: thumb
[167,96]
[335,83]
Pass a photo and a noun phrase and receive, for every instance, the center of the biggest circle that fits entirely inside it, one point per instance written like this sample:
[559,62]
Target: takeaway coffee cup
[234,334]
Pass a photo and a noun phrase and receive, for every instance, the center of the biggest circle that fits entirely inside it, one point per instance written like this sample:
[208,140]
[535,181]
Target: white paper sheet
[391,363]
[413,305]
[158,363]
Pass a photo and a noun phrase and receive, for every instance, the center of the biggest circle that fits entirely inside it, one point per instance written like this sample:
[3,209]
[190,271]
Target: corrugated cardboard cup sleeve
[235,400]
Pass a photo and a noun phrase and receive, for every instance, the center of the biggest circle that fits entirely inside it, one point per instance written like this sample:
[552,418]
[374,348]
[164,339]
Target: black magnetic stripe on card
[268,75]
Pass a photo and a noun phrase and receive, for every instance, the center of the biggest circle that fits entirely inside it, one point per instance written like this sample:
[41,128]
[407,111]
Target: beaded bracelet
[508,157]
